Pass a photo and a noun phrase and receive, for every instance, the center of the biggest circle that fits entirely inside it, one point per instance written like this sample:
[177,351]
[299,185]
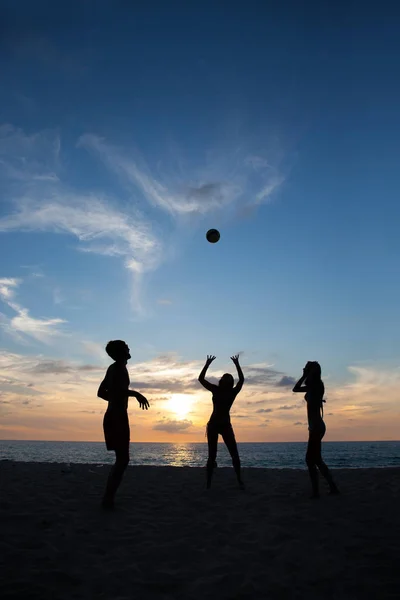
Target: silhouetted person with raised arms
[223,396]
[115,390]
[313,386]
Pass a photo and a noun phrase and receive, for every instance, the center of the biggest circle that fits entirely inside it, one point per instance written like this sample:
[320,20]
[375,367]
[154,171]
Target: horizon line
[188,442]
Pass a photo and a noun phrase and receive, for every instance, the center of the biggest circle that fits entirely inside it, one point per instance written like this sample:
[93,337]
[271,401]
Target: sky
[127,130]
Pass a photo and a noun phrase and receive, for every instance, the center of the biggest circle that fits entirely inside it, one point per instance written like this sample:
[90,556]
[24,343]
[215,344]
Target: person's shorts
[116,430]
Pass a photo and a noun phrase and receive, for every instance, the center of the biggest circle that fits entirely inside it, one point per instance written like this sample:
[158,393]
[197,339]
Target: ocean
[288,455]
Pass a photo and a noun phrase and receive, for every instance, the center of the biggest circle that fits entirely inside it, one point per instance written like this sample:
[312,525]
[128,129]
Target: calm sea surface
[263,455]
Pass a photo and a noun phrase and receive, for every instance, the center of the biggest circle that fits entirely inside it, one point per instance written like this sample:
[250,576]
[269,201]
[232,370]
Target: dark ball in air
[213,236]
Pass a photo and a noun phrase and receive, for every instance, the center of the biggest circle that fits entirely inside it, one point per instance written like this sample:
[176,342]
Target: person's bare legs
[212,439]
[313,453]
[325,472]
[228,436]
[314,460]
[115,476]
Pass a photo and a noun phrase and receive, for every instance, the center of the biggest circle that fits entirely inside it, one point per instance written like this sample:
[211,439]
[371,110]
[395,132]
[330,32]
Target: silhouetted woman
[223,396]
[313,386]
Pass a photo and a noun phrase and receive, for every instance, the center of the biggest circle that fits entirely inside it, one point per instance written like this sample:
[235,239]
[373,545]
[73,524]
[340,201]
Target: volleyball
[213,236]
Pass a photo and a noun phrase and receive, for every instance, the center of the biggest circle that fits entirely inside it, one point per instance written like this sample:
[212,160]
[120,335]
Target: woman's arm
[240,383]
[209,386]
[298,386]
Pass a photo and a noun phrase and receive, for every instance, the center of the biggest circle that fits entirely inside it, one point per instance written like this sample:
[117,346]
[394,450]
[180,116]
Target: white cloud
[7,287]
[43,330]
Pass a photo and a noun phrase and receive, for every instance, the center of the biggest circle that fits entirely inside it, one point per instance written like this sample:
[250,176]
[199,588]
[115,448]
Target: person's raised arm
[239,385]
[299,387]
[209,386]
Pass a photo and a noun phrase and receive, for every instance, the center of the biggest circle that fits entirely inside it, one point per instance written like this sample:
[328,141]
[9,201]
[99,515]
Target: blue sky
[126,132]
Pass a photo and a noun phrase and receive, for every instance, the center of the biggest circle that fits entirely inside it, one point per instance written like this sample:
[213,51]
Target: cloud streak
[209,187]
[43,330]
[174,197]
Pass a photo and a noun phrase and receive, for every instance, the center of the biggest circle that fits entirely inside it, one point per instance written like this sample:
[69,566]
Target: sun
[180,404]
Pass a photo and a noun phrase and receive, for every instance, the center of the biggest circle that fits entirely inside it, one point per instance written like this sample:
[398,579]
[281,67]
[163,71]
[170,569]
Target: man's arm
[143,402]
[209,386]
[102,392]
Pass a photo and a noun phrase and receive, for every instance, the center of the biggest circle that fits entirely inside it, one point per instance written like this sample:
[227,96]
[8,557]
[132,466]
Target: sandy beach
[171,538]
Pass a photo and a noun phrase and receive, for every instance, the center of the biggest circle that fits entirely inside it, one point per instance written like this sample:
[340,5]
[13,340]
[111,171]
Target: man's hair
[115,348]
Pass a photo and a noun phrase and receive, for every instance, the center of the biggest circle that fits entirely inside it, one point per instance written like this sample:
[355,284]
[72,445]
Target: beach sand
[171,538]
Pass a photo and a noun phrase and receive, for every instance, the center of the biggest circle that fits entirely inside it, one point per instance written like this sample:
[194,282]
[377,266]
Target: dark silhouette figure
[115,390]
[313,386]
[223,396]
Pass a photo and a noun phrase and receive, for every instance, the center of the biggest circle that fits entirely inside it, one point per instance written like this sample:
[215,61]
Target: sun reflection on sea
[181,455]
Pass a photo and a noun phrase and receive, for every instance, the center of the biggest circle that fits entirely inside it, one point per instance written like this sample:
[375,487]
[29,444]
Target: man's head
[118,350]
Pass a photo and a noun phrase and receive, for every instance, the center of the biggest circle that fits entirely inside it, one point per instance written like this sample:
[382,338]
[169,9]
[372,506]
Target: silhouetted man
[115,390]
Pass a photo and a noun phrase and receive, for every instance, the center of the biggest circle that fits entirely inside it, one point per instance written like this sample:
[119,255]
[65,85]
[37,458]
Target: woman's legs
[212,439]
[314,460]
[116,474]
[313,452]
[228,436]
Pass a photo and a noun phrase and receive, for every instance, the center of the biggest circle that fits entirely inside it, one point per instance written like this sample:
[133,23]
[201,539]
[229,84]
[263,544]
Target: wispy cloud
[43,330]
[206,188]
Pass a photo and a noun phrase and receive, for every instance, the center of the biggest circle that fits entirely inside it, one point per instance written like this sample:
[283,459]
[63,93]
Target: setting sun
[180,404]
